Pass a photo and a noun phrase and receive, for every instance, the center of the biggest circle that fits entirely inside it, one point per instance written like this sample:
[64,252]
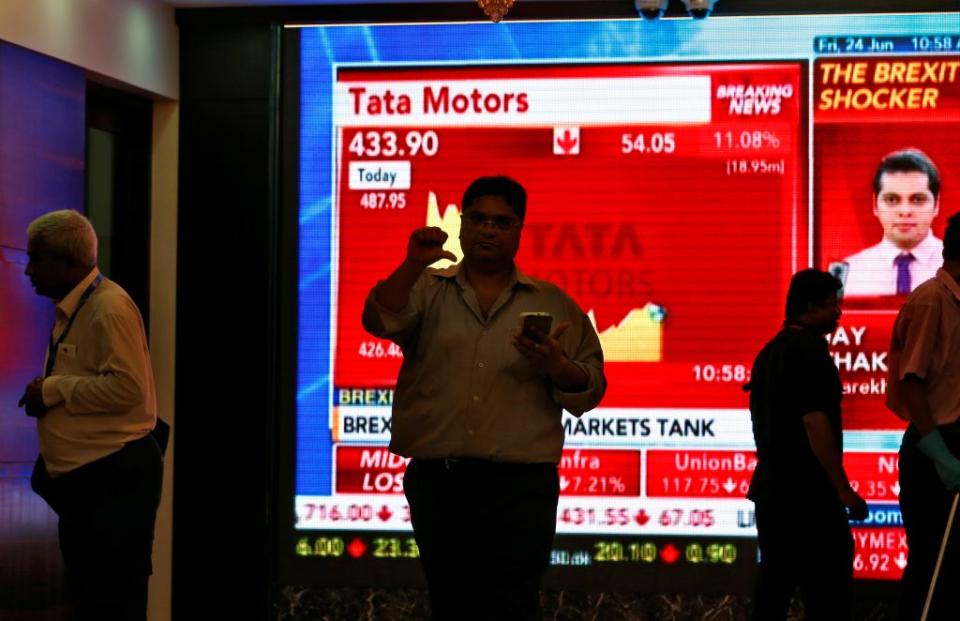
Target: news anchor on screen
[906,199]
[478,405]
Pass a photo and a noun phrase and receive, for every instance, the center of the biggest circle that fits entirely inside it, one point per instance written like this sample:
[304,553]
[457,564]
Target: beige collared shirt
[926,343]
[100,394]
[463,389]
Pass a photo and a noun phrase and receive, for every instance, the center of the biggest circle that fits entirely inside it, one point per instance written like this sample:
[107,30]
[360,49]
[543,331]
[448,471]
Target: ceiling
[243,3]
[810,6]
[201,3]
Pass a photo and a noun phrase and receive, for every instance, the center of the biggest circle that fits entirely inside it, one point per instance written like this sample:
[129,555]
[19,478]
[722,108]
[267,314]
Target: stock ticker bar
[579,552]
[652,492]
[650,473]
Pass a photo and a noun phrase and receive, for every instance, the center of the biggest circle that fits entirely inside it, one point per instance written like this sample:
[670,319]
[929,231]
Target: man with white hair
[99,468]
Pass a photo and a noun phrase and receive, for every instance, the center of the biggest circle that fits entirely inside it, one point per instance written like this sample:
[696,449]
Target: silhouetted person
[924,390]
[906,199]
[478,406]
[99,468]
[800,488]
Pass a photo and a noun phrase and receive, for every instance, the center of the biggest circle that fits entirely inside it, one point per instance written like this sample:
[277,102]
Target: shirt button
[480,364]
[469,432]
[476,397]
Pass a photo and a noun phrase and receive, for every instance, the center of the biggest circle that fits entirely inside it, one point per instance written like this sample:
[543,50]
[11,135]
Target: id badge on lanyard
[54,347]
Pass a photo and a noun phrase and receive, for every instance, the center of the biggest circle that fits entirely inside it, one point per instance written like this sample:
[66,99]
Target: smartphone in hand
[840,269]
[531,323]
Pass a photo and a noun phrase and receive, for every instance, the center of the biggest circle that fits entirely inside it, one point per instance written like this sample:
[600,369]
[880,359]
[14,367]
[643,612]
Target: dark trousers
[807,545]
[485,531]
[925,505]
[107,511]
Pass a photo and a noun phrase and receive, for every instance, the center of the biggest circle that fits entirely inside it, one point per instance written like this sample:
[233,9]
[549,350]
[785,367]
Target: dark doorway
[119,132]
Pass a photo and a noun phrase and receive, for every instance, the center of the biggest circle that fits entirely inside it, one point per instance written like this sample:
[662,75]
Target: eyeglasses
[475,219]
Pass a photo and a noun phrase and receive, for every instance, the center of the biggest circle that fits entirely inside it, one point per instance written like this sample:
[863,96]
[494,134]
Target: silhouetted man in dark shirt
[800,489]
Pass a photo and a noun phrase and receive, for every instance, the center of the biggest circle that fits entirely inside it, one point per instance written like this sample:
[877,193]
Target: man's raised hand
[426,247]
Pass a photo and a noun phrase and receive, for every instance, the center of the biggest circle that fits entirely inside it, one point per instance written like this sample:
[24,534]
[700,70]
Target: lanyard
[53,347]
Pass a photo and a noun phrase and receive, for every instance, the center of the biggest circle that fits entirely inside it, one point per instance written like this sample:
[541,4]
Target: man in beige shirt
[478,406]
[924,390]
[99,468]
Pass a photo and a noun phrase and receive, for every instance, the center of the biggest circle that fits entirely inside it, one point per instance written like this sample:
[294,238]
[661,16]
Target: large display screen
[678,173]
